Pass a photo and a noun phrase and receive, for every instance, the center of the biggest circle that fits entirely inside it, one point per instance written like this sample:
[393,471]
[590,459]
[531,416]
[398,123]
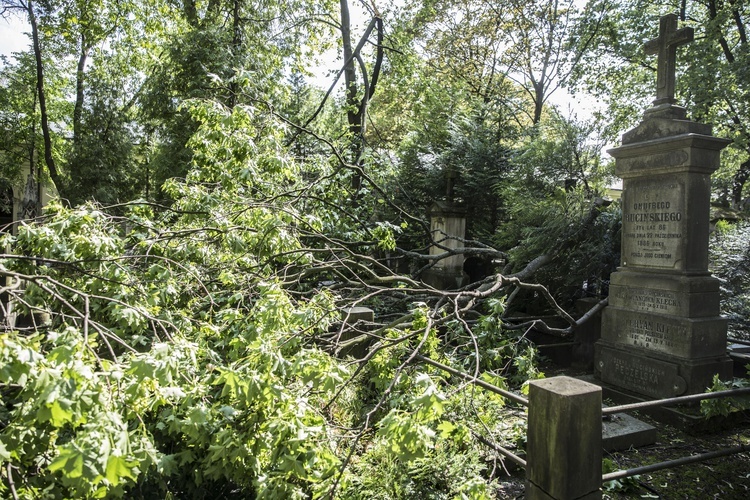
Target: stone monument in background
[448,229]
[662,333]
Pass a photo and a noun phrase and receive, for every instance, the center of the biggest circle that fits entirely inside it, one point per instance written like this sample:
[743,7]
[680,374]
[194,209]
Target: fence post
[564,440]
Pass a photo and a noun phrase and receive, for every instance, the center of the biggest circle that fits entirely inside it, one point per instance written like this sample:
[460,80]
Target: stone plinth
[622,431]
[564,440]
[662,333]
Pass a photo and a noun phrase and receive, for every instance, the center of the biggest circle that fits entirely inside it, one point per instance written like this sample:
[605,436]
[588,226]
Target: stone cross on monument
[665,45]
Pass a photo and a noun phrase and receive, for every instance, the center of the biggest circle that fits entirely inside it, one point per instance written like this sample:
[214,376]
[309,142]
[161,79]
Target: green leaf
[117,468]
[55,414]
[59,416]
[69,462]
[446,429]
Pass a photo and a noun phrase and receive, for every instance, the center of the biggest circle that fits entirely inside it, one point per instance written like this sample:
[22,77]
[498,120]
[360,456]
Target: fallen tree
[190,348]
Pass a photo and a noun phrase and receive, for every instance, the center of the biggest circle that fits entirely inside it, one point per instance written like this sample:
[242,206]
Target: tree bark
[236,48]
[191,12]
[48,159]
[743,173]
[353,108]
[738,183]
[713,14]
[78,110]
[350,75]
[739,23]
[538,101]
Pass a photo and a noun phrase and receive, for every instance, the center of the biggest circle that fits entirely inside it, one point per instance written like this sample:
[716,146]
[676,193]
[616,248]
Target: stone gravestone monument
[662,333]
[448,228]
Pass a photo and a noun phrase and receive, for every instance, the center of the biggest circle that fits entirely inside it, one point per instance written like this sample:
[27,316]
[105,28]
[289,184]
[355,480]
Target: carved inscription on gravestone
[650,300]
[661,334]
[653,224]
[646,376]
[649,333]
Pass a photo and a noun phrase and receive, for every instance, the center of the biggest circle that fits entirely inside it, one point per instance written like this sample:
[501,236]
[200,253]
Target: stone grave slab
[643,375]
[621,431]
[676,295]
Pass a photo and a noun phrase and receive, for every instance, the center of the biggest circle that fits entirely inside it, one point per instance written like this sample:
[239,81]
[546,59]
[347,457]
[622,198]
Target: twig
[11,484]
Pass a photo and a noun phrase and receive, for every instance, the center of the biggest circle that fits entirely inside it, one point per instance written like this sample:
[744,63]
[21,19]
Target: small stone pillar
[448,229]
[564,440]
[351,330]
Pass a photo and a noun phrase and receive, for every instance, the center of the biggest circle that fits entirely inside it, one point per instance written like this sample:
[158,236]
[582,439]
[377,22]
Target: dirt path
[721,478]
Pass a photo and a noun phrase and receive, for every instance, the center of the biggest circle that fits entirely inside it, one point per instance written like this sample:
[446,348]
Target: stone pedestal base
[674,336]
[657,375]
[692,296]
[662,335]
[444,279]
[353,341]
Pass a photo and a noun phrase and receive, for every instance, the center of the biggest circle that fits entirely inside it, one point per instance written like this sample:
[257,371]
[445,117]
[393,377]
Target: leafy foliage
[558,205]
[625,485]
[724,406]
[728,253]
[184,350]
[197,346]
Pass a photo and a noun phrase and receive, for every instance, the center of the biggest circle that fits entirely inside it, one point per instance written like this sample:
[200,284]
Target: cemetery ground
[721,478]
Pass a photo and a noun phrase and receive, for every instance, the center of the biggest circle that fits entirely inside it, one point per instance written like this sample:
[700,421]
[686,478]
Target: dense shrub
[729,254]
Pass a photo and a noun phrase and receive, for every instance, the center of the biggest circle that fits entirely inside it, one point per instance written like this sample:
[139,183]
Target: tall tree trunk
[538,101]
[78,110]
[236,48]
[743,172]
[33,170]
[738,183]
[738,22]
[32,138]
[713,14]
[191,12]
[48,159]
[353,108]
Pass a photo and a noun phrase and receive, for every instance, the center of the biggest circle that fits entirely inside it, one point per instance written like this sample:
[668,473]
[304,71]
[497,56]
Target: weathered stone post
[662,333]
[564,440]
[356,321]
[448,228]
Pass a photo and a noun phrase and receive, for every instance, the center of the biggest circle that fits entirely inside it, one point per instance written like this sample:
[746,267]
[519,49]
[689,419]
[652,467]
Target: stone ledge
[622,431]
